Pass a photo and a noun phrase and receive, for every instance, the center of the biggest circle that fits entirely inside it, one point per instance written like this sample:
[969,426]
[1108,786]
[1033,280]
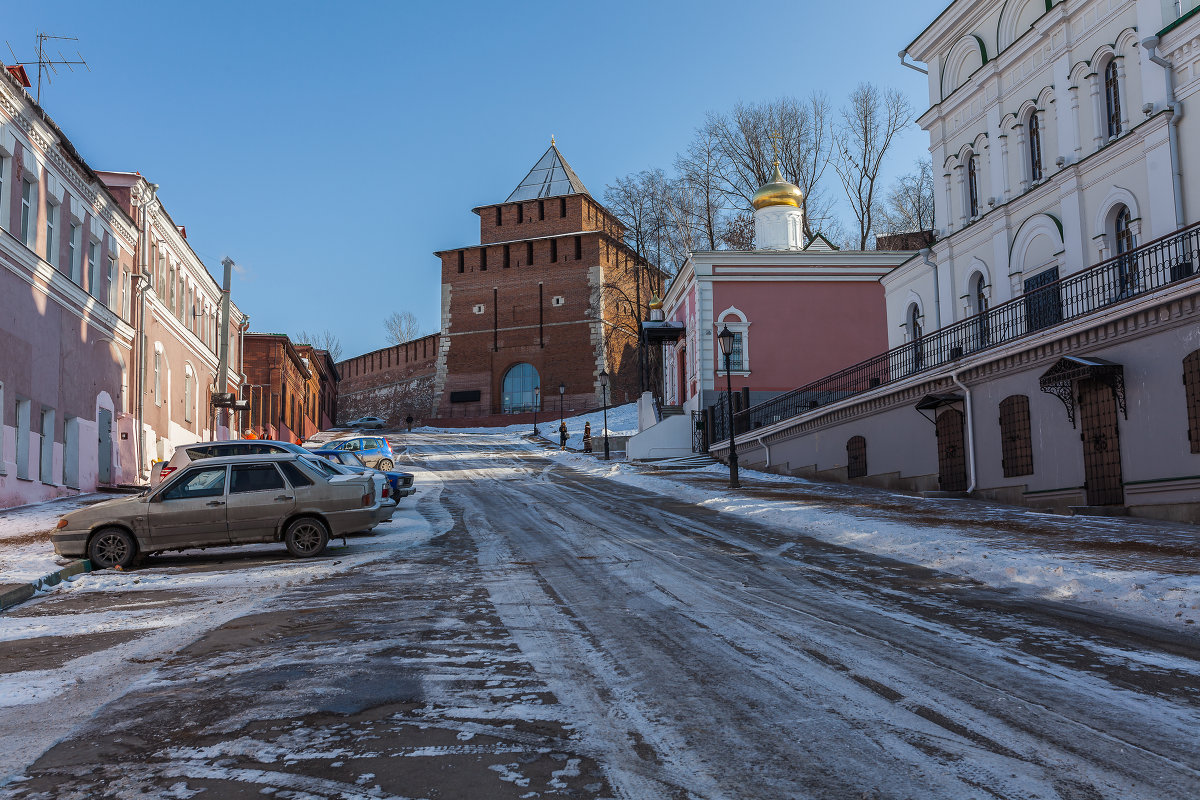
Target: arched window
[856,457]
[914,331]
[1016,441]
[1112,99]
[1123,240]
[188,383]
[517,390]
[1123,228]
[972,187]
[157,378]
[1035,147]
[979,304]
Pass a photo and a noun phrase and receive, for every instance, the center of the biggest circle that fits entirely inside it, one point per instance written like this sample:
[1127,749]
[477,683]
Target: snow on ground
[1172,599]
[25,550]
[622,421]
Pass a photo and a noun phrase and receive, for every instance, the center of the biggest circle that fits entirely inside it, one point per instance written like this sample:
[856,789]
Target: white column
[1101,135]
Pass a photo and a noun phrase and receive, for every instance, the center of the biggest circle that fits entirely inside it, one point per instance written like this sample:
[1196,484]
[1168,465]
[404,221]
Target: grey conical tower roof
[551,176]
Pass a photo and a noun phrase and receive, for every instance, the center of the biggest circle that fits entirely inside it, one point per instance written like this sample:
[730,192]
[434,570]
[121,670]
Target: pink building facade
[66,251]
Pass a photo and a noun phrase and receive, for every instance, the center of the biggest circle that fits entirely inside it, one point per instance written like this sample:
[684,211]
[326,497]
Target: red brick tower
[542,300]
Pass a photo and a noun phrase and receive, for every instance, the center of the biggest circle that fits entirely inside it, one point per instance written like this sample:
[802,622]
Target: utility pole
[223,359]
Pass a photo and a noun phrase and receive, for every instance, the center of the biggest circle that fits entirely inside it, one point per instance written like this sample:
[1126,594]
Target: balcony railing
[1144,269]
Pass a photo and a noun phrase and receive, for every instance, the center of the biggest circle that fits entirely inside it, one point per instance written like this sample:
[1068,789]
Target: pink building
[799,311]
[66,251]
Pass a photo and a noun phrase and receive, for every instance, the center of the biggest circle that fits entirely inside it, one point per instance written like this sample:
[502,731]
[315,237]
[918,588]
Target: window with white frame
[157,377]
[112,284]
[74,254]
[51,215]
[28,210]
[46,459]
[125,286]
[739,354]
[1035,147]
[189,379]
[972,187]
[93,286]
[1112,99]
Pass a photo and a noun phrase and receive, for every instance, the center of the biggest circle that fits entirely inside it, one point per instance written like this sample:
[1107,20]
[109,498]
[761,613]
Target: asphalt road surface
[531,631]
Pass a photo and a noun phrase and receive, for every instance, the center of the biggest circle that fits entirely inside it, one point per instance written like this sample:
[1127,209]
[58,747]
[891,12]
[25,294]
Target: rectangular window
[578,248]
[529,252]
[483,259]
[124,295]
[93,274]
[73,261]
[520,212]
[562,206]
[180,289]
[24,409]
[27,211]
[51,213]
[736,363]
[162,273]
[171,289]
[187,396]
[461,262]
[541,209]
[157,378]
[112,284]
[553,251]
[499,217]
[46,462]
[1043,300]
[507,257]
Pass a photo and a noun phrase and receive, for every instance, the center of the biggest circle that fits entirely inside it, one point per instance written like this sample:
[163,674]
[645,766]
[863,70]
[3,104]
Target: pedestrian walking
[587,437]
[249,434]
[562,436]
[409,420]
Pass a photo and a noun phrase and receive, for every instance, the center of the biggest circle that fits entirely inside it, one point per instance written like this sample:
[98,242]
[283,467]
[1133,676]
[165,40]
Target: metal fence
[1141,270]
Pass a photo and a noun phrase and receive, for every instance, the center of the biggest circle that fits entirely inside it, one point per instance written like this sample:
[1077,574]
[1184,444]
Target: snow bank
[622,421]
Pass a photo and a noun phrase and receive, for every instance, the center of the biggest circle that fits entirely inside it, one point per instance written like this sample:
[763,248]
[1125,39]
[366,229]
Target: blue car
[375,451]
[401,483]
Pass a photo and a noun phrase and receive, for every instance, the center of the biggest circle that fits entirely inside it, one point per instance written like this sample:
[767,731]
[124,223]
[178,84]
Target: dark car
[401,483]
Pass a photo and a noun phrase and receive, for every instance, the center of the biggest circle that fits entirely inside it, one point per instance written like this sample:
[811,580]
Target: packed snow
[622,421]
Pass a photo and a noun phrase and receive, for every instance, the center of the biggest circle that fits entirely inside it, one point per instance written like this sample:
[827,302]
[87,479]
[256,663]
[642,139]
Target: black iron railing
[1143,269]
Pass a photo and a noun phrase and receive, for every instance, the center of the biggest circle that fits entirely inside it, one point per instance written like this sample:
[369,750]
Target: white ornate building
[1051,334]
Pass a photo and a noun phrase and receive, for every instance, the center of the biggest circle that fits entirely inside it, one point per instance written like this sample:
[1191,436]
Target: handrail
[1145,268]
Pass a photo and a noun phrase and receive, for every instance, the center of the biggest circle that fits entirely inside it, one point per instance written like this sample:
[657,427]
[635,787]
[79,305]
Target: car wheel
[306,537]
[384,464]
[112,547]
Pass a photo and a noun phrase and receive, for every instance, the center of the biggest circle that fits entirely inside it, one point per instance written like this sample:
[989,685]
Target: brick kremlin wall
[391,383]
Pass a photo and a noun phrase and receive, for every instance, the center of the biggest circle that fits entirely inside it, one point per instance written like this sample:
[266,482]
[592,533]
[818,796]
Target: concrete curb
[19,594]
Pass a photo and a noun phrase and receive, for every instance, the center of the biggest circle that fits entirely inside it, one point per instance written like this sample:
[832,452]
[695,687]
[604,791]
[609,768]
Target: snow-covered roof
[551,176]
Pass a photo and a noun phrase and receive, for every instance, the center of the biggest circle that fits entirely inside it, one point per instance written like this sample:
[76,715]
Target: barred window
[1016,441]
[1035,147]
[972,188]
[1112,99]
[856,457]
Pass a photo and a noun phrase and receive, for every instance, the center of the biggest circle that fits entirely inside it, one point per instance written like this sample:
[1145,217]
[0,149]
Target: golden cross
[776,139]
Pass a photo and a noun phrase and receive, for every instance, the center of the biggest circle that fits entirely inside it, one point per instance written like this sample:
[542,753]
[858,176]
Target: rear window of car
[295,475]
[324,467]
[255,478]
[233,449]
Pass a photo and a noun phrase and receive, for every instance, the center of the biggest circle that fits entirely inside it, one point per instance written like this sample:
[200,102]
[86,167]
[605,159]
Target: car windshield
[327,467]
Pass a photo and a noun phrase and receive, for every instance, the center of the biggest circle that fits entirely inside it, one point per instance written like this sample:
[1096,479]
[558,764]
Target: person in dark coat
[587,437]
[409,420]
[562,436]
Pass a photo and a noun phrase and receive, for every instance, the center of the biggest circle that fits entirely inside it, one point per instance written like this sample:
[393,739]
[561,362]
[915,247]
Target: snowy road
[552,633]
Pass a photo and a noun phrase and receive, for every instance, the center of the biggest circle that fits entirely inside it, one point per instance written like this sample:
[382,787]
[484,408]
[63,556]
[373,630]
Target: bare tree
[697,204]
[401,327]
[737,233]
[323,340]
[908,206]
[869,124]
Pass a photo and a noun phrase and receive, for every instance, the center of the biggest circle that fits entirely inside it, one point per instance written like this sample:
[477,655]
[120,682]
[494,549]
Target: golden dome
[656,303]
[777,193]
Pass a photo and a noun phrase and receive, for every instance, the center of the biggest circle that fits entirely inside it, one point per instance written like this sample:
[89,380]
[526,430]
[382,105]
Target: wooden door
[952,451]
[1101,444]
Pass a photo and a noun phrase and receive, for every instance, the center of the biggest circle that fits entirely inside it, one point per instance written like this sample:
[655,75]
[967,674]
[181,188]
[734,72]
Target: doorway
[1101,444]
[952,451]
[104,447]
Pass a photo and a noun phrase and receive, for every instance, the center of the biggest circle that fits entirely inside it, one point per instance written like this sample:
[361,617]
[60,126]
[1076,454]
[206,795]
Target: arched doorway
[517,390]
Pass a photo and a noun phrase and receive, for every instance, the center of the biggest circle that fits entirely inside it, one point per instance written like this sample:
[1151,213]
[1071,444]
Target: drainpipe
[1176,109]
[903,55]
[970,429]
[937,287]
[767,448]
[243,326]
[143,285]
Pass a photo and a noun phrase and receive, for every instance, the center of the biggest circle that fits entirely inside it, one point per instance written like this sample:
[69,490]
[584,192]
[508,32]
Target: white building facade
[1045,350]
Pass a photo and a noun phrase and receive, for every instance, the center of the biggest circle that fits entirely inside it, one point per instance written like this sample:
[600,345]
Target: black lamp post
[726,337]
[537,396]
[562,390]
[604,397]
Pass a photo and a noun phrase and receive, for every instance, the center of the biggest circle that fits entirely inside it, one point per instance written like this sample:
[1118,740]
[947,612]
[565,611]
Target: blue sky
[330,148]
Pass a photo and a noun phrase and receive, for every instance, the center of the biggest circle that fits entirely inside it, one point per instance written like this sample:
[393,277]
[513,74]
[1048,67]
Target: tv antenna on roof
[46,62]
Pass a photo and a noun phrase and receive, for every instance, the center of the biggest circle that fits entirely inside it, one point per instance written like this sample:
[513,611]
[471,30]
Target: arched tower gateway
[778,215]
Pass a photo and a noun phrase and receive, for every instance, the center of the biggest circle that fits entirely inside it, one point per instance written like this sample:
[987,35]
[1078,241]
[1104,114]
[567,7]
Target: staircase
[694,461]
[671,411]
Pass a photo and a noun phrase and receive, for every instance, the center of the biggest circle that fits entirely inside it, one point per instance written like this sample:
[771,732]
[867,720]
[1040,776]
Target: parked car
[186,454]
[401,482]
[220,501]
[375,451]
[382,486]
[367,422]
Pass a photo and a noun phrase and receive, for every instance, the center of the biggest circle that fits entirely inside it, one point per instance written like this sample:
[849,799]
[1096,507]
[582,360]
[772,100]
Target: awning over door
[663,331]
[932,402]
[1060,380]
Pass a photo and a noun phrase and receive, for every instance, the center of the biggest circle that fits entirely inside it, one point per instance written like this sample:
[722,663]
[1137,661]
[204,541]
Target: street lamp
[726,337]
[537,396]
[562,390]
[604,396]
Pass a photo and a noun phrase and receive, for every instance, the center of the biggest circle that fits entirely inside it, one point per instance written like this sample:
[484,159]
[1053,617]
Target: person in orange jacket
[249,434]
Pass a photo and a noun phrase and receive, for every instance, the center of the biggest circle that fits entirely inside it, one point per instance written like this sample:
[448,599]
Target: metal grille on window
[1112,99]
[1191,387]
[1126,268]
[1016,441]
[856,457]
[1035,147]
[972,188]
[735,354]
[1043,300]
